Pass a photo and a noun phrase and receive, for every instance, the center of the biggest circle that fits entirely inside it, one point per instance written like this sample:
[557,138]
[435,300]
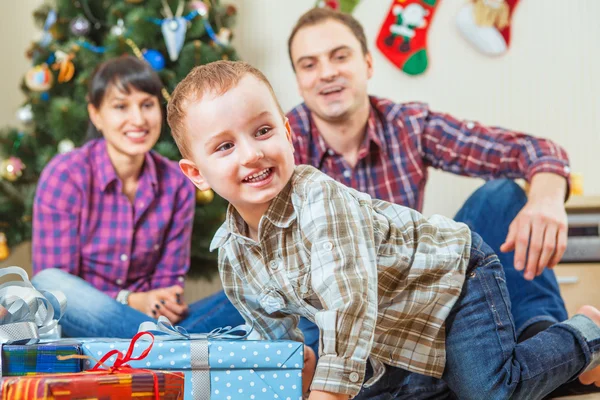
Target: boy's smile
[241,147]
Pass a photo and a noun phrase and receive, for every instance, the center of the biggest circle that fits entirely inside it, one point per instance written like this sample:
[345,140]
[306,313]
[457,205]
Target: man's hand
[540,226]
[166,301]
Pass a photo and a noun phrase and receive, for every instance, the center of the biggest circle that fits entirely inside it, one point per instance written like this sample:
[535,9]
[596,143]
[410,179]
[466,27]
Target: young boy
[414,296]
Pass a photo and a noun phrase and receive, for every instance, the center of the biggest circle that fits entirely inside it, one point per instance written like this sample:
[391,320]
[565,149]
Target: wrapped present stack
[160,362]
[218,365]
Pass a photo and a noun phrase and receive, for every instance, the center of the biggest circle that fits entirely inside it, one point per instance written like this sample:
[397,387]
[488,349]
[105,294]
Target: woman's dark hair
[124,72]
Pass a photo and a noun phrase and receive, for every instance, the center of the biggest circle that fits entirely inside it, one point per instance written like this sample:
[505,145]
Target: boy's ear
[190,170]
[288,134]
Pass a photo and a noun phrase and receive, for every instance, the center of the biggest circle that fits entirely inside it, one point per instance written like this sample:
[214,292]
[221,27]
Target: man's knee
[502,189]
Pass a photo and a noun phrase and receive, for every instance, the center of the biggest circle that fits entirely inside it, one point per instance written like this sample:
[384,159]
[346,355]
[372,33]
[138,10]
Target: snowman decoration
[408,19]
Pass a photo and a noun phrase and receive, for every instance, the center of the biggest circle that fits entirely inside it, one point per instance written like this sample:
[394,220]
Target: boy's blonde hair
[217,77]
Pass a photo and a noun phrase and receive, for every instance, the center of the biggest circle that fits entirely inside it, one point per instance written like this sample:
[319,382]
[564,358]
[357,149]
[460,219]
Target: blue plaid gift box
[217,366]
[32,359]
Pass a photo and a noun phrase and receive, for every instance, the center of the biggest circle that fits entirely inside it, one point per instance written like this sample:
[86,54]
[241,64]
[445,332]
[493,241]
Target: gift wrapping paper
[20,360]
[218,369]
[99,385]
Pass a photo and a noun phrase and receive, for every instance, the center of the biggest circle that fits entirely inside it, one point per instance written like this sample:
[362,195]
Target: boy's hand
[310,363]
[166,301]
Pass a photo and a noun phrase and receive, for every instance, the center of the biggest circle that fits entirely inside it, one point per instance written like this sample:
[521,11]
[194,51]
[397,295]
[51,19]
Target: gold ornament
[4,251]
[204,196]
[64,65]
[11,169]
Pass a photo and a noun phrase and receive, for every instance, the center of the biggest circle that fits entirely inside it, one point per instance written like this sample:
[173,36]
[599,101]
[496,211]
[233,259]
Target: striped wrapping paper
[39,359]
[99,385]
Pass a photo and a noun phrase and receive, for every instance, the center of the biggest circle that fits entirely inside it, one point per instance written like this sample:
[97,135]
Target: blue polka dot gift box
[221,365]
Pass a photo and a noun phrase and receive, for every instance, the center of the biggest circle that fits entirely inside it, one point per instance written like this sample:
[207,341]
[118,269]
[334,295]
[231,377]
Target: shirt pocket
[298,274]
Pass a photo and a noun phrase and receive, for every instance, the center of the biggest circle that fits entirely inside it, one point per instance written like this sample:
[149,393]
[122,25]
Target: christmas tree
[173,36]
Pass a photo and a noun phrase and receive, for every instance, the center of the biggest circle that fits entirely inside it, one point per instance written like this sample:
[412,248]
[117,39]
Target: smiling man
[385,149]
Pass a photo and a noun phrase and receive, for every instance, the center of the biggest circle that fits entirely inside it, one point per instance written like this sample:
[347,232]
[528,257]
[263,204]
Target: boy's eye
[225,147]
[119,106]
[307,66]
[263,131]
[148,105]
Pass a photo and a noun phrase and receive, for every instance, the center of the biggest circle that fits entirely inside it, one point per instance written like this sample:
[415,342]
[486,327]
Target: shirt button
[119,282]
[567,169]
[354,377]
[347,174]
[142,205]
[327,246]
[274,264]
[303,289]
[156,247]
[124,257]
[470,125]
[181,279]
[330,152]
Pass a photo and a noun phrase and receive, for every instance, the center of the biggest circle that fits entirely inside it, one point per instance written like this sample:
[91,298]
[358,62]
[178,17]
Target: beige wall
[16,33]
[548,84]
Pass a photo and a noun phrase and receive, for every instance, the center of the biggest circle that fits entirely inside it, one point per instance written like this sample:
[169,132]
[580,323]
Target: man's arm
[472,149]
[538,233]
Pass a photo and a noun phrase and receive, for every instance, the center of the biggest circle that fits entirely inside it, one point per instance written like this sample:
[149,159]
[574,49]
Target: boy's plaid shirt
[377,278]
[403,140]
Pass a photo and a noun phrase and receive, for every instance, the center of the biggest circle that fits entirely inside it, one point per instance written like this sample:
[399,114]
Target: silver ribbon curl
[164,330]
[25,312]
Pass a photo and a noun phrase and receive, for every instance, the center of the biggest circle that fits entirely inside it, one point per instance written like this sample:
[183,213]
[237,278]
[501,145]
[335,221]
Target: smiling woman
[113,219]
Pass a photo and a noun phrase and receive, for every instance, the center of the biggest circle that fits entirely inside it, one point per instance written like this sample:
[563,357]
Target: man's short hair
[319,15]
[217,77]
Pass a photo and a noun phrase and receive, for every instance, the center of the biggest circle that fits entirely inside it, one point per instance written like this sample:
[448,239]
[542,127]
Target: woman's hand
[165,301]
[310,363]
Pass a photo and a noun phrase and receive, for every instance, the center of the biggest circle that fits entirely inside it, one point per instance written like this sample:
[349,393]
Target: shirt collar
[280,213]
[105,172]
[374,131]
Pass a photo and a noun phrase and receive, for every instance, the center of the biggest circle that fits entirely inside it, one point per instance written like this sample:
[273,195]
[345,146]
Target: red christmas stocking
[486,24]
[403,35]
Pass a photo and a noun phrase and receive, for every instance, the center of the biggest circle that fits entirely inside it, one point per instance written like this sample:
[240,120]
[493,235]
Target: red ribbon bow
[120,364]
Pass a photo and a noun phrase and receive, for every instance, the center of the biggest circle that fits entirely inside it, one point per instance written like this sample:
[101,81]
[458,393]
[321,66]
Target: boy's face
[331,70]
[241,146]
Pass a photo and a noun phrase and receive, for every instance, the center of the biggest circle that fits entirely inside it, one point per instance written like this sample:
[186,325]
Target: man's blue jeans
[489,211]
[483,358]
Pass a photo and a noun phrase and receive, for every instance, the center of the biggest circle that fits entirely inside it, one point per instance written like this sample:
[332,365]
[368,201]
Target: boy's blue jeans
[489,211]
[484,360]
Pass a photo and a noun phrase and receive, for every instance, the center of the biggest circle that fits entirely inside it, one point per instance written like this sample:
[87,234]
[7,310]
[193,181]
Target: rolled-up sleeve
[339,231]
